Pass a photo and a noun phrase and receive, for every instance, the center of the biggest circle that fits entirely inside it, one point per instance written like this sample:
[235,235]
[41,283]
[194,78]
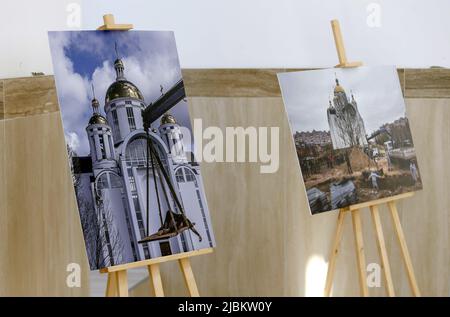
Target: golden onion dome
[168,118]
[338,88]
[123,89]
[98,119]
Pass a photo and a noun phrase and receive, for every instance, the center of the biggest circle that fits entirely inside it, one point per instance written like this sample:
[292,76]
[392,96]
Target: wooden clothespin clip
[339,41]
[110,24]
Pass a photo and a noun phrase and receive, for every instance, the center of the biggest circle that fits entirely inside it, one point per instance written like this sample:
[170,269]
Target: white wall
[23,34]
[250,33]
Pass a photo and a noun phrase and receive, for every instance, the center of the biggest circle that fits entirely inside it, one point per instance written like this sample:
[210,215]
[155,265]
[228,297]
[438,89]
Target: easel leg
[186,268]
[382,250]
[404,248]
[359,244]
[155,276]
[122,283]
[334,252]
[111,285]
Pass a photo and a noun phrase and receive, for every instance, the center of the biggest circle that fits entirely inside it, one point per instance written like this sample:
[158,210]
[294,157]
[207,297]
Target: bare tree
[103,243]
[349,128]
[71,154]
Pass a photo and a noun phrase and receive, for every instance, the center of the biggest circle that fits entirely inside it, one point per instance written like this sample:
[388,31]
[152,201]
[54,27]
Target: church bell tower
[100,139]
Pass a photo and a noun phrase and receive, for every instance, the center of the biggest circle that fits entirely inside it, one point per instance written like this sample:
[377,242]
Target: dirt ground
[393,181]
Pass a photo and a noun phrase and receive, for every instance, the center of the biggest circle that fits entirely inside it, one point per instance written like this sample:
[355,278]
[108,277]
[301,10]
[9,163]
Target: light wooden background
[267,243]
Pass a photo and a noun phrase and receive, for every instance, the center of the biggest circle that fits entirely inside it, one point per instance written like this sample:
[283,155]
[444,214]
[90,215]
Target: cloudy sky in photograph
[85,58]
[377,92]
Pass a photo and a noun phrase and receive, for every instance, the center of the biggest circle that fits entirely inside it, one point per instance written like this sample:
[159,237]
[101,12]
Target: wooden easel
[117,284]
[356,219]
[117,275]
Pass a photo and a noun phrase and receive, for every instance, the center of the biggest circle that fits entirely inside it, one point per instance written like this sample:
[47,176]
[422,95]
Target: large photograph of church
[129,140]
[351,135]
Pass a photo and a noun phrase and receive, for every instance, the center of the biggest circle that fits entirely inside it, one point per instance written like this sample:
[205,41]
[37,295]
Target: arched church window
[111,146]
[107,180]
[136,152]
[131,120]
[102,147]
[190,177]
[179,176]
[116,128]
[184,174]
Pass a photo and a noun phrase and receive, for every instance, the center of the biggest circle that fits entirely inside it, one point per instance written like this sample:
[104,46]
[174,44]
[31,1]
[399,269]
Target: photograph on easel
[129,139]
[351,135]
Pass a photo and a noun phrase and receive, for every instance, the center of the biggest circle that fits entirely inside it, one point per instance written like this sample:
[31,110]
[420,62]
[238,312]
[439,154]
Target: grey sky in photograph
[85,58]
[377,92]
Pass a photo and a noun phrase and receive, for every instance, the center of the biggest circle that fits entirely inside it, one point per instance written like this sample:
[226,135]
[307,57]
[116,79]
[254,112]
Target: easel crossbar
[158,260]
[380,201]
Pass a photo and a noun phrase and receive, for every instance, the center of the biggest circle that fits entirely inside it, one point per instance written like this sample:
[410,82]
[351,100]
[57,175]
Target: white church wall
[205,205]
[193,212]
[154,218]
[131,210]
[123,122]
[137,108]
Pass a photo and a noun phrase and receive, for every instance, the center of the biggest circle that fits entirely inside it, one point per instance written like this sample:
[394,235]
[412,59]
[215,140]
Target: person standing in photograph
[373,177]
[414,172]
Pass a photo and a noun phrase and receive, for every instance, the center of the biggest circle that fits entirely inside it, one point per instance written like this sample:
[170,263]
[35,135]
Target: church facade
[114,187]
[345,122]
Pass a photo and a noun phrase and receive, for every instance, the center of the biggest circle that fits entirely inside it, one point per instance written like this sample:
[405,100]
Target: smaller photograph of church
[351,135]
[129,140]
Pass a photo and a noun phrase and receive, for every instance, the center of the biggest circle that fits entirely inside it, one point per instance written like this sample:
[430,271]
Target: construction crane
[167,100]
[174,223]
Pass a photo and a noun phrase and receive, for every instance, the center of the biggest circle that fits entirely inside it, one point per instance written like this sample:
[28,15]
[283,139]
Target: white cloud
[150,60]
[72,140]
[102,78]
[72,93]
[376,89]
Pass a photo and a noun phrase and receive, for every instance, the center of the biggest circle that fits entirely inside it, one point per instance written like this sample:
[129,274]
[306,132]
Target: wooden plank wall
[40,232]
[268,244]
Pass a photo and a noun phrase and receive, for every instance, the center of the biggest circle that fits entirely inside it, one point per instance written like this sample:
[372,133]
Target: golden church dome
[123,89]
[98,119]
[168,118]
[338,87]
